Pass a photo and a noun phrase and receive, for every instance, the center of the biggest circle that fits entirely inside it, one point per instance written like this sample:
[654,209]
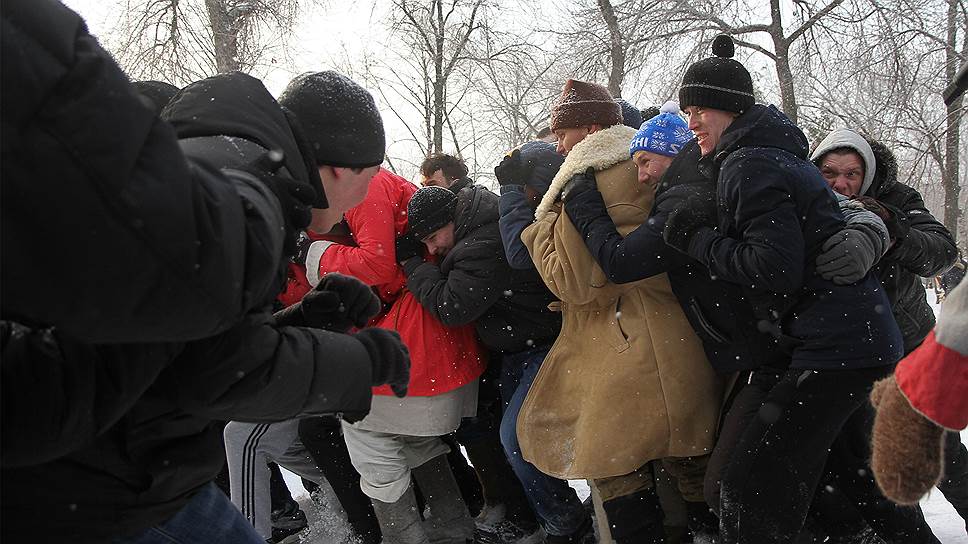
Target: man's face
[441,240]
[708,125]
[844,172]
[436,179]
[651,166]
[345,188]
[568,137]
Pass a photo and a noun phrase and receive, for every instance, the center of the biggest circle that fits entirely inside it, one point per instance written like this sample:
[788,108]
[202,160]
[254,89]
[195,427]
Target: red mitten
[907,448]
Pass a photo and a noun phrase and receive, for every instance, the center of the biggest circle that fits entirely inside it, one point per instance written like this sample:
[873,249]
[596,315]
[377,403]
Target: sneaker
[287,523]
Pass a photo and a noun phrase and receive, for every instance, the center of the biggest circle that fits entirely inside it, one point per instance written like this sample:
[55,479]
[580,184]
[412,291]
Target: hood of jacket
[885,172]
[843,137]
[476,207]
[600,150]
[762,126]
[237,105]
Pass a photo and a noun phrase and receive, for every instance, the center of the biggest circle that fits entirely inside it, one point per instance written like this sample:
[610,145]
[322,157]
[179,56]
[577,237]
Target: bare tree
[184,40]
[435,34]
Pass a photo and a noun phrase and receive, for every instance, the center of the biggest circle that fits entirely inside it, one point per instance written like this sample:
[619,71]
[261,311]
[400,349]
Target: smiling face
[708,124]
[441,240]
[651,166]
[844,172]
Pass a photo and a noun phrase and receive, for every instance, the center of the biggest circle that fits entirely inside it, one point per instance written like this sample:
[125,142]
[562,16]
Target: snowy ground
[328,528]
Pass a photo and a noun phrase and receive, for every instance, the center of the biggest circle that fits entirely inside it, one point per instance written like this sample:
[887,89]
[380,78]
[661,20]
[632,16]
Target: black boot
[323,438]
[448,521]
[954,482]
[636,518]
[703,524]
[400,520]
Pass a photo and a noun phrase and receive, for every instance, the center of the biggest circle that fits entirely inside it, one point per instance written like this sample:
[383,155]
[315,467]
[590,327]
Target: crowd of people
[688,307]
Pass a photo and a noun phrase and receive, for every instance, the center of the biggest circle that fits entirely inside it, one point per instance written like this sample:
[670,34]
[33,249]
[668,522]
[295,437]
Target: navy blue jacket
[775,211]
[717,310]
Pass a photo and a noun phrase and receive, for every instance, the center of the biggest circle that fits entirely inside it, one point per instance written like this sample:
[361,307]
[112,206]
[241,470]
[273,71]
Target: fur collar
[600,150]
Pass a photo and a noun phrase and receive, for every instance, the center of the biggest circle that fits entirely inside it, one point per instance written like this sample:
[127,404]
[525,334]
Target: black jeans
[773,449]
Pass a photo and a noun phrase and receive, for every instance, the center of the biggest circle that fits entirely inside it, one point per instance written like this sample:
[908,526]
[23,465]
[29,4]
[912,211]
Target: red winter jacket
[441,358]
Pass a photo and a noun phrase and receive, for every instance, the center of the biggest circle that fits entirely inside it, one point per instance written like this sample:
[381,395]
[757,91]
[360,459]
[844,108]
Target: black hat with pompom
[718,82]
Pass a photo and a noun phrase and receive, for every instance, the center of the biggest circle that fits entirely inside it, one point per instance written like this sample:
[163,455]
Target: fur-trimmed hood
[600,150]
[885,172]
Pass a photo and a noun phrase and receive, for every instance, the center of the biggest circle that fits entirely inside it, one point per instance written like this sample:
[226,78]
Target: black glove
[389,357]
[847,256]
[684,221]
[513,170]
[295,197]
[408,247]
[337,304]
[579,183]
[893,218]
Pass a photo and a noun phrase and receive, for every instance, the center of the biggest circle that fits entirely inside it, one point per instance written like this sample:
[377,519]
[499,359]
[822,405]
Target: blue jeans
[555,503]
[208,518]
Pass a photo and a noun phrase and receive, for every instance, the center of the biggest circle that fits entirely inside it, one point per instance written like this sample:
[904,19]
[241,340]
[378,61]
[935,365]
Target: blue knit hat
[665,134]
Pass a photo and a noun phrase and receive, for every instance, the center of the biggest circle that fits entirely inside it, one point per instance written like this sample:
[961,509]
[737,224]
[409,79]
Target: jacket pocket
[700,319]
[616,334]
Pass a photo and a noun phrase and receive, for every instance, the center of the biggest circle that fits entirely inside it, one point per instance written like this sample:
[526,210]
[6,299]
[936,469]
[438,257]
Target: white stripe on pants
[248,447]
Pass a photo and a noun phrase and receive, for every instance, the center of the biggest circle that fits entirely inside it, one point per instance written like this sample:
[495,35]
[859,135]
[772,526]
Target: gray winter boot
[400,521]
[448,522]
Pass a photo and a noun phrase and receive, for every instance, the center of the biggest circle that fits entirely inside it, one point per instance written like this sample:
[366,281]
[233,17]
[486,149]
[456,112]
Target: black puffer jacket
[474,282]
[106,230]
[149,459]
[775,212]
[717,310]
[927,250]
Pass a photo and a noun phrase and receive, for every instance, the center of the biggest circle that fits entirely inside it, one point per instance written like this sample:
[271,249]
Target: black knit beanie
[631,116]
[718,82]
[429,209]
[339,118]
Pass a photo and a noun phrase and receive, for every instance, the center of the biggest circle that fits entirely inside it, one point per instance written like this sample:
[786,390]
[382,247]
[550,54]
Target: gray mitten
[848,255]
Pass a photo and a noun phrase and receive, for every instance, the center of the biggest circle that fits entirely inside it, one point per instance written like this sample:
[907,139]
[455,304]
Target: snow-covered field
[327,528]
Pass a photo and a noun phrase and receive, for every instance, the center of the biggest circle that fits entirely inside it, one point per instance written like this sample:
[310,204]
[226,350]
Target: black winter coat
[717,310]
[106,230]
[474,283]
[775,212]
[926,250]
[154,451]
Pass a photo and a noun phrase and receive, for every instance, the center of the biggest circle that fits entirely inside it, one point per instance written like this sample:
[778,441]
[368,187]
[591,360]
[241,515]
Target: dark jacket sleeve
[108,232]
[928,248]
[768,250]
[60,394]
[257,372]
[641,254]
[478,278]
[516,215]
